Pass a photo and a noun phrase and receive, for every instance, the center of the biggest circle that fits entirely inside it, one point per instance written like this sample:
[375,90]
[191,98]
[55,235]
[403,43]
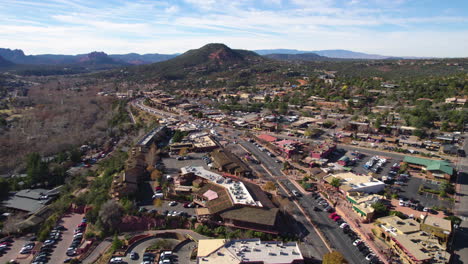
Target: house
[410,243]
[350,182]
[248,251]
[434,169]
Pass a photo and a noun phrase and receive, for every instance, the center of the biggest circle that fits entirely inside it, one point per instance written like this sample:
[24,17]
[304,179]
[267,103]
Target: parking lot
[70,222]
[172,165]
[13,251]
[410,191]
[407,190]
[179,207]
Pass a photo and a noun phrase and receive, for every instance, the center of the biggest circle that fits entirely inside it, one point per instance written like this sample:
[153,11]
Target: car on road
[173,203]
[134,255]
[296,193]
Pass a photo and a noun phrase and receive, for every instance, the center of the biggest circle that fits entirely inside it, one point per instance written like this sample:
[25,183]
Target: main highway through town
[329,229]
[317,247]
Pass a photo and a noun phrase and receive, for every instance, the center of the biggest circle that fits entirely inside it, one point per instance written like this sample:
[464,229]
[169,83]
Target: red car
[332,215]
[336,218]
[157,188]
[82,225]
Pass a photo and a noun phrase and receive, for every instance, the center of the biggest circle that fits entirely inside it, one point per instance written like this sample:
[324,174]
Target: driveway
[70,222]
[141,247]
[183,253]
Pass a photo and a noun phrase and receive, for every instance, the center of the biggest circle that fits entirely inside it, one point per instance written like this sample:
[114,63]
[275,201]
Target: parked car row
[166,257]
[77,238]
[362,247]
[5,245]
[375,164]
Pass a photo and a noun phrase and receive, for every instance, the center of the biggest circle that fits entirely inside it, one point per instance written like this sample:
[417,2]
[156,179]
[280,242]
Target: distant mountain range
[5,63]
[297,57]
[17,56]
[339,54]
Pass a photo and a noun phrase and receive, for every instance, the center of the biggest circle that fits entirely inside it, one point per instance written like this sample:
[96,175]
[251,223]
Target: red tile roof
[267,138]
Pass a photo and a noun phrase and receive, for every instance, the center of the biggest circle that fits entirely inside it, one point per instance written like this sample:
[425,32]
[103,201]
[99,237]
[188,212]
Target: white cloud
[147,26]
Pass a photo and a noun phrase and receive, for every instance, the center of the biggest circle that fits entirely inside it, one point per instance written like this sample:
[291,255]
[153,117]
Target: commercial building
[30,201]
[434,169]
[350,182]
[233,203]
[322,150]
[362,204]
[229,163]
[245,251]
[408,241]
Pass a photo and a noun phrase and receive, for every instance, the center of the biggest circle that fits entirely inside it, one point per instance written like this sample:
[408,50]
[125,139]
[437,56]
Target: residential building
[245,251]
[433,169]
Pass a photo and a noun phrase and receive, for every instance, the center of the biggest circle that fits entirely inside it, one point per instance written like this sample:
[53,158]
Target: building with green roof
[434,169]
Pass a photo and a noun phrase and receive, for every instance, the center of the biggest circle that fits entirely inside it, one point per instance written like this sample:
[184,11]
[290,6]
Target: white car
[116,260]
[370,256]
[173,203]
[357,242]
[344,225]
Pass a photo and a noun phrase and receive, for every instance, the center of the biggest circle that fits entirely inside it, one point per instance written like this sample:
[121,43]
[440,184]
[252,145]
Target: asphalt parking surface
[179,207]
[141,247]
[410,191]
[13,252]
[70,222]
[410,188]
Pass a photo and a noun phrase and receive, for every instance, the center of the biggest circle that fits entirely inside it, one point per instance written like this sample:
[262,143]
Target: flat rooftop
[355,180]
[236,189]
[252,250]
[438,222]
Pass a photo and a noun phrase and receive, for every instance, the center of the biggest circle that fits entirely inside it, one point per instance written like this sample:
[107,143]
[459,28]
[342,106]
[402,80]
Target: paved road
[329,228]
[98,251]
[141,247]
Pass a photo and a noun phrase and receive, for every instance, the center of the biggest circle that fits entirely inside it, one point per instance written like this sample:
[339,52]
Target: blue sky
[387,27]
